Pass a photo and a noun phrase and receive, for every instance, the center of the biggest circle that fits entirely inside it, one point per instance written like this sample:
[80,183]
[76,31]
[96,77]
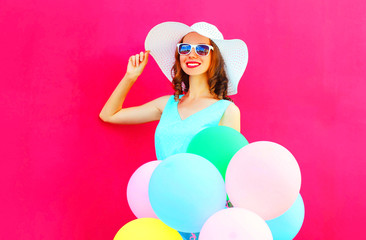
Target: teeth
[192,64]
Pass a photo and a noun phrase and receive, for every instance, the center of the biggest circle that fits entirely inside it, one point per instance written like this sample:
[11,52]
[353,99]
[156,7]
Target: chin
[194,72]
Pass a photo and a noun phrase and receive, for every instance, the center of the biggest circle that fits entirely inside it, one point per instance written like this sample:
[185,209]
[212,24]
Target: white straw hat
[162,42]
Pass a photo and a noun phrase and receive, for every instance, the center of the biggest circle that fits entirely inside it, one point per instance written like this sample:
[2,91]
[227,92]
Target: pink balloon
[138,190]
[235,223]
[263,177]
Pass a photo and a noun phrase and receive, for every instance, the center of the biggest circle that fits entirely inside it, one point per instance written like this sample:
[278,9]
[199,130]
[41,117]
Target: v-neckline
[180,118]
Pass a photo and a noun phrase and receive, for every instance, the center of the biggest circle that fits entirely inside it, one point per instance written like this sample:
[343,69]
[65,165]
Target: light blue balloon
[185,190]
[287,226]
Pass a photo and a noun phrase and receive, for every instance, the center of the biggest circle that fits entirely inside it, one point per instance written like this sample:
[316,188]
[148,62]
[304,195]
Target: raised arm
[113,112]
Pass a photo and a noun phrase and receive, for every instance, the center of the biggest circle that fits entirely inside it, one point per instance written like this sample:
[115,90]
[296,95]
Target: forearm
[115,101]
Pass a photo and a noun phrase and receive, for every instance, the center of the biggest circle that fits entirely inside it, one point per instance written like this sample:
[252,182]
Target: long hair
[217,79]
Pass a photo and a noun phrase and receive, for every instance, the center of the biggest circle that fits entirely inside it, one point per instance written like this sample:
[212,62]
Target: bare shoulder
[232,109]
[161,102]
[231,117]
[231,112]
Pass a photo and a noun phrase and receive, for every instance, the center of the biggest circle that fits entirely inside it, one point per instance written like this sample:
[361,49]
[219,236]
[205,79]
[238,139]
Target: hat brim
[162,40]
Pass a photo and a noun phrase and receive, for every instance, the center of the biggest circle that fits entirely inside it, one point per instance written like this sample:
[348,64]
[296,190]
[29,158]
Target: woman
[200,79]
[203,67]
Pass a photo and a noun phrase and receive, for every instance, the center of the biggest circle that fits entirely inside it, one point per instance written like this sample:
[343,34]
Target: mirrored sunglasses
[200,49]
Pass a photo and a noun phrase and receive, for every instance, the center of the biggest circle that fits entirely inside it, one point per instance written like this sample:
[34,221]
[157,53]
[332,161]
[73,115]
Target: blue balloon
[185,190]
[287,226]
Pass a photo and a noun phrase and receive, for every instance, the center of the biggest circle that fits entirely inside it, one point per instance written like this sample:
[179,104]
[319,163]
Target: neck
[198,87]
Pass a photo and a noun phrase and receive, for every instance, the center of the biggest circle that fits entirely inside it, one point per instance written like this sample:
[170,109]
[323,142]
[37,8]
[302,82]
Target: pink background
[64,172]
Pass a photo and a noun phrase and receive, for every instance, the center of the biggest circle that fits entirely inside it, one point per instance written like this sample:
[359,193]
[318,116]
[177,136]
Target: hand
[137,63]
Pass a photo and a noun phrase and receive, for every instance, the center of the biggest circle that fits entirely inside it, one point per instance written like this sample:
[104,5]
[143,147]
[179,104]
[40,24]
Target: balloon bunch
[188,192]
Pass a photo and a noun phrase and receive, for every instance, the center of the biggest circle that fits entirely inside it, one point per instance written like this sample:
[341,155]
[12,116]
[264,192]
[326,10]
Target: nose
[193,53]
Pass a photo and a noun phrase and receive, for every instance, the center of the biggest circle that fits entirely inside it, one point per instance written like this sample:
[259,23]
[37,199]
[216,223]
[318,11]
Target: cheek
[182,58]
[208,62]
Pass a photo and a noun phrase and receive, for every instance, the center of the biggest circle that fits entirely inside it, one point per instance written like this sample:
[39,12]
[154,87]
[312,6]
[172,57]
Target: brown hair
[217,79]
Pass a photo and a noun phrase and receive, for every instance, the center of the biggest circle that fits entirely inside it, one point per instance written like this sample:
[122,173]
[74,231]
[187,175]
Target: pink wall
[64,172]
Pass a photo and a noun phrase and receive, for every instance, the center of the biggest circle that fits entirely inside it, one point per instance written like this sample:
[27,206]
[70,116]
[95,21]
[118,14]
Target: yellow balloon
[147,229]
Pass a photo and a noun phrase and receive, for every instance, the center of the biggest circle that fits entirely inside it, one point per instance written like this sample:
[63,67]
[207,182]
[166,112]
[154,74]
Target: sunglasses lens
[202,50]
[184,49]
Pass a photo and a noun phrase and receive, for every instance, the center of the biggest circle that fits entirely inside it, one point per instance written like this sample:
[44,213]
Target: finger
[137,56]
[133,59]
[141,56]
[146,55]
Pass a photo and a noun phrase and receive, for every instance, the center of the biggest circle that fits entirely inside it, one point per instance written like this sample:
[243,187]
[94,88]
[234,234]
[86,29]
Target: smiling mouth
[192,64]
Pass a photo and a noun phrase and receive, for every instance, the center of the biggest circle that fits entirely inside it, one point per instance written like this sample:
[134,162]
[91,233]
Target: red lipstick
[192,64]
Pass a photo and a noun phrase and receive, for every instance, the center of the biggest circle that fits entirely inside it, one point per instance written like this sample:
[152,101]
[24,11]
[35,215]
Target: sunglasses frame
[194,46]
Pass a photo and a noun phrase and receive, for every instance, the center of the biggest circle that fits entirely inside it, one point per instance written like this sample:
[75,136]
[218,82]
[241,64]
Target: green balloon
[218,145]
